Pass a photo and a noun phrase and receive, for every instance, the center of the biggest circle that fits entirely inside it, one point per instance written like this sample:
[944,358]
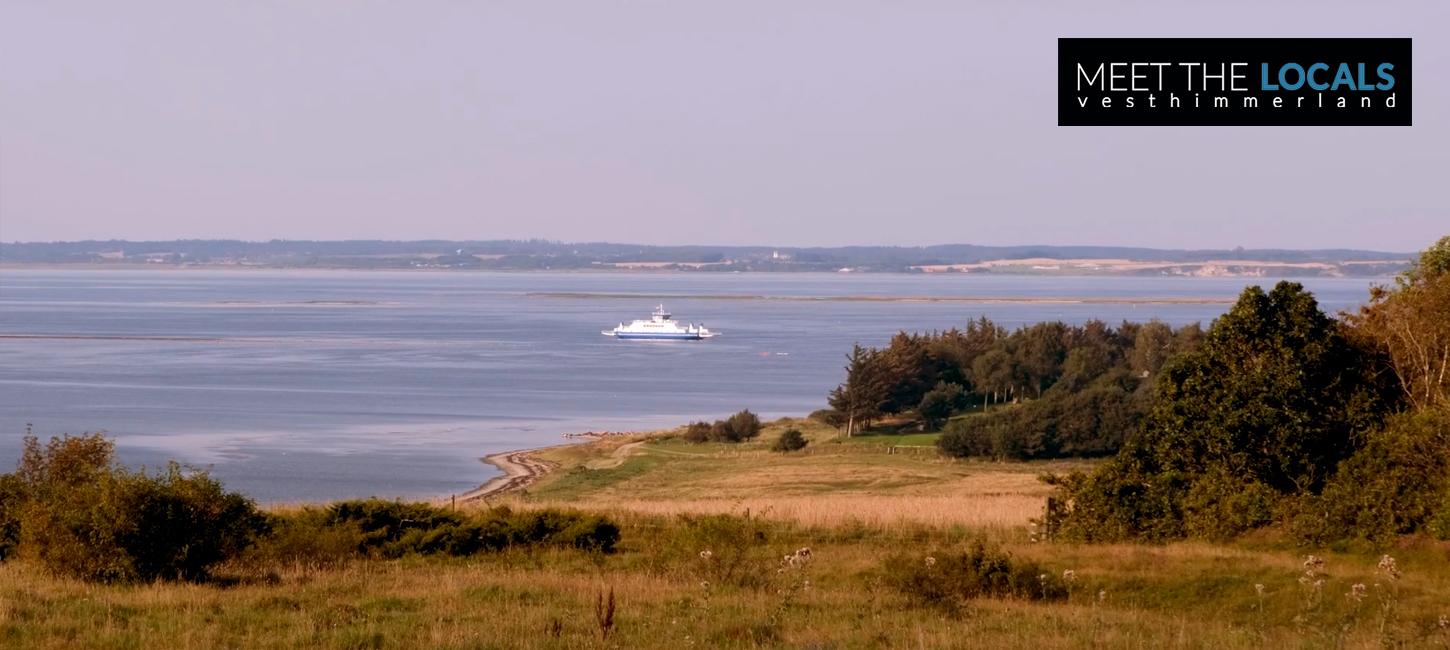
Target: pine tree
[861,396]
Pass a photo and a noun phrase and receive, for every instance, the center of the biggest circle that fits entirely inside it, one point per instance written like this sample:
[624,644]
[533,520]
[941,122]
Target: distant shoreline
[995,270]
[1085,300]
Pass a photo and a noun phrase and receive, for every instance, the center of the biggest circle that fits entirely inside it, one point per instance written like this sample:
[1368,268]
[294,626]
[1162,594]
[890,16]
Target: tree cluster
[737,428]
[1082,388]
[1285,415]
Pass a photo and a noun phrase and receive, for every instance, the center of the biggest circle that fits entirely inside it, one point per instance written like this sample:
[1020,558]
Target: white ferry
[660,326]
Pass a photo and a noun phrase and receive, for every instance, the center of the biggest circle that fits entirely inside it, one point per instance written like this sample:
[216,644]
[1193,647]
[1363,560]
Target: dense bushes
[981,571]
[1092,422]
[12,498]
[1332,429]
[182,523]
[391,529]
[306,537]
[71,508]
[1398,483]
[1264,408]
[381,524]
[737,428]
[81,515]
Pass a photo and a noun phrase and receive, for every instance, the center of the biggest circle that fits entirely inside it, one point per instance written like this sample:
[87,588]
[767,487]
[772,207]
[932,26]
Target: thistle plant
[793,567]
[1355,597]
[1311,579]
[705,587]
[1389,594]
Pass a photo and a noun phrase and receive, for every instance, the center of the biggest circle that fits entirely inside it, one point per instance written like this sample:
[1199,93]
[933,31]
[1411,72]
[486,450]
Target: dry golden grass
[1188,595]
[853,504]
[978,511]
[831,482]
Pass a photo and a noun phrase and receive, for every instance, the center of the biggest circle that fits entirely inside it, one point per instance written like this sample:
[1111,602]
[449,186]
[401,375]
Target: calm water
[316,385]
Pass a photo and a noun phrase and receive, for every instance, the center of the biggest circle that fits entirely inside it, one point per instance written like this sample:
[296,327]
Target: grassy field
[682,578]
[874,480]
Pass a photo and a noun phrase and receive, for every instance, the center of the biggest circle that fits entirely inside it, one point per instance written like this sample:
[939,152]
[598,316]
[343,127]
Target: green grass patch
[914,439]
[580,480]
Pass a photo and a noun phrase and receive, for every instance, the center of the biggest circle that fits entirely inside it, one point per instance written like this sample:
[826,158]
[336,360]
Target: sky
[678,122]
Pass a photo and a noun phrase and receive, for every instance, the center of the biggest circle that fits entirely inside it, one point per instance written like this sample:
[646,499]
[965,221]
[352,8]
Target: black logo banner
[1233,82]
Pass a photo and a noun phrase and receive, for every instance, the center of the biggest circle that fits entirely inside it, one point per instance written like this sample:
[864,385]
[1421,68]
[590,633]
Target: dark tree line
[1082,388]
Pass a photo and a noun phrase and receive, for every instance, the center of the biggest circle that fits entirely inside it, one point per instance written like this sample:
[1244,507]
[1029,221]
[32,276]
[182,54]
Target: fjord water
[315,385]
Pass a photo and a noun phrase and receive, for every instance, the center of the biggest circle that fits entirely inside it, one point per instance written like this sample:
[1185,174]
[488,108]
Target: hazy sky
[791,123]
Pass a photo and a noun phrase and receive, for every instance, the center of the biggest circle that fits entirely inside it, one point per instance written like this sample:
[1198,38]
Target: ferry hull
[646,336]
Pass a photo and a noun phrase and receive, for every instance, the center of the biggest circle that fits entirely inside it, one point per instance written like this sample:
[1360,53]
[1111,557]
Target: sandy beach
[520,469]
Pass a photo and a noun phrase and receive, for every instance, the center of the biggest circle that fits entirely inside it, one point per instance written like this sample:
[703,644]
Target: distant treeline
[1082,388]
[542,254]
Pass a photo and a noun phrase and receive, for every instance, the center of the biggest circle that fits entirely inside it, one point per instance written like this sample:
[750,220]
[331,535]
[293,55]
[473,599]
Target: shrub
[1221,506]
[720,431]
[380,523]
[558,528]
[181,523]
[12,499]
[1124,501]
[1439,524]
[85,517]
[307,537]
[789,440]
[744,425]
[737,428]
[940,403]
[1397,484]
[393,529]
[982,571]
[697,432]
[966,439]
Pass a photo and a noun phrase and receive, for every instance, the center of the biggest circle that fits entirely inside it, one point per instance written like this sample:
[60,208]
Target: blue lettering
[1387,80]
[1284,76]
[1344,78]
[1264,82]
[1317,85]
